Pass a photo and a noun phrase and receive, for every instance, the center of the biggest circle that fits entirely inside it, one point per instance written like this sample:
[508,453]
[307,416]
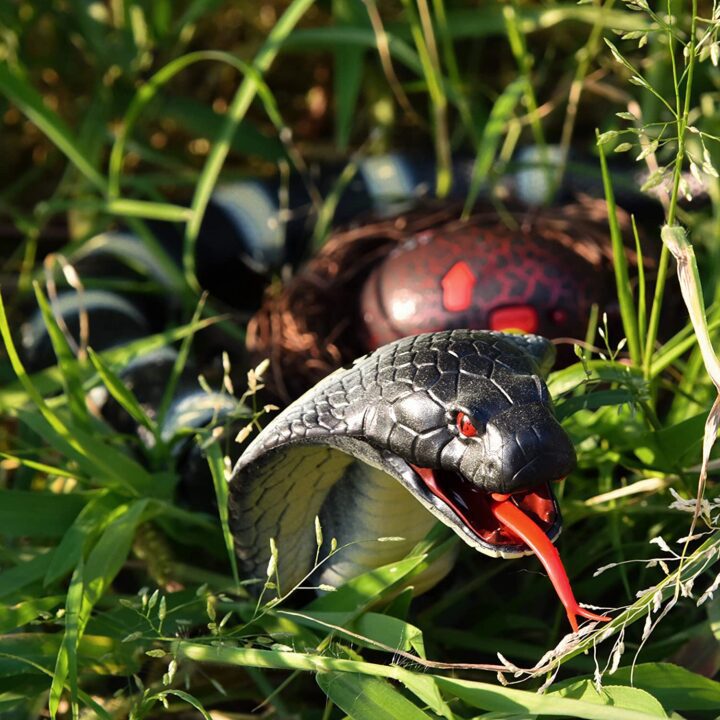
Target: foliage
[116,600]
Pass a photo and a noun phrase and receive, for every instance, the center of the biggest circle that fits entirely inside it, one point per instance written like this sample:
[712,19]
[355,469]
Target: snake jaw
[469,507]
[514,524]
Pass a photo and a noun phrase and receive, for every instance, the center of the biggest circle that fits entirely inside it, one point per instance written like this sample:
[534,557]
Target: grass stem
[682,125]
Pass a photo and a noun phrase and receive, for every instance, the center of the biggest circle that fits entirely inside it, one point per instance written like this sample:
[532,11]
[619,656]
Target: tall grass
[90,625]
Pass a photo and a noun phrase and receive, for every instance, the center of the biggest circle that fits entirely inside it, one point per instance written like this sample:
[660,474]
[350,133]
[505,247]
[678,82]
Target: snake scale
[436,426]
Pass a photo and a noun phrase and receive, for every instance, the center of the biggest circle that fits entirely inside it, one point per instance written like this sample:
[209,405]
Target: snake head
[478,420]
[461,418]
[513,450]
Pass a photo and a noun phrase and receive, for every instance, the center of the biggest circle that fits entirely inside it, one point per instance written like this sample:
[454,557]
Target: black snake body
[365,447]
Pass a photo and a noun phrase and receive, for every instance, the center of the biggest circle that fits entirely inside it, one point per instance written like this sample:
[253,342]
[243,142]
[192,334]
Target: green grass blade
[674,348]
[501,112]
[217,470]
[628,312]
[477,694]
[185,697]
[87,523]
[327,210]
[518,46]
[368,698]
[194,11]
[592,401]
[280,660]
[201,120]
[34,514]
[66,361]
[15,616]
[180,363]
[42,467]
[591,330]
[372,630]
[675,687]
[28,647]
[348,75]
[105,460]
[642,291]
[66,665]
[487,20]
[508,700]
[23,377]
[90,581]
[619,696]
[97,459]
[112,467]
[570,378]
[49,381]
[332,38]
[26,573]
[109,554]
[94,32]
[18,90]
[423,34]
[364,590]
[149,91]
[117,388]
[129,208]
[236,112]
[453,69]
[427,691]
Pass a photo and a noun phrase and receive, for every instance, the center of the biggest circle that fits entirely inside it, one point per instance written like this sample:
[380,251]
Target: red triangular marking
[457,286]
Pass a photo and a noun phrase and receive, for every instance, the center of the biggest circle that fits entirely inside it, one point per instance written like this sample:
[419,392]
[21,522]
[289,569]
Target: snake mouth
[472,507]
[507,525]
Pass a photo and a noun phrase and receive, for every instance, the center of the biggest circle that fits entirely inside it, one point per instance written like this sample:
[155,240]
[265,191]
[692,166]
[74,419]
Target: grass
[116,599]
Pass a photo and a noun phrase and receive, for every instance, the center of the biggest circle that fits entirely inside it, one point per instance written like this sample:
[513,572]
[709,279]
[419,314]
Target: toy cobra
[455,425]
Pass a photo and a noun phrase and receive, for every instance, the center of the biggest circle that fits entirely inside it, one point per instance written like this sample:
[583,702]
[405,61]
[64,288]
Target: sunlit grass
[87,622]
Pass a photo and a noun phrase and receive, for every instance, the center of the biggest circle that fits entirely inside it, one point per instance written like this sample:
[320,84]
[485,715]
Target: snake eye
[465,426]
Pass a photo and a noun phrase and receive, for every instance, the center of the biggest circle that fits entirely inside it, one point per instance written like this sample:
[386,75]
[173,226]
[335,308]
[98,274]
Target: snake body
[423,428]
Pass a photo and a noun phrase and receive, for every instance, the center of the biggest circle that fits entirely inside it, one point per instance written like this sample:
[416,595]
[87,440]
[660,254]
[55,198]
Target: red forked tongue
[511,516]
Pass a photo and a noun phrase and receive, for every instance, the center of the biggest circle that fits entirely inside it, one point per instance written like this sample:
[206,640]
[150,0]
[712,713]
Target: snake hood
[453,416]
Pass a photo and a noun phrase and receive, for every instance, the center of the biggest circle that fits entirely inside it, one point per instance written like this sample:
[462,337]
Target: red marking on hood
[515,317]
[457,286]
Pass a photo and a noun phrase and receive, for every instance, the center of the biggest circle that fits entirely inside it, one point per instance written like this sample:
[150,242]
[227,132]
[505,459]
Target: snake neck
[380,522]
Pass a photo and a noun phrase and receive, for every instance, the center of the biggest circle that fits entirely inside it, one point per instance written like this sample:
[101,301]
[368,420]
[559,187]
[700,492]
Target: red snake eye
[465,426]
